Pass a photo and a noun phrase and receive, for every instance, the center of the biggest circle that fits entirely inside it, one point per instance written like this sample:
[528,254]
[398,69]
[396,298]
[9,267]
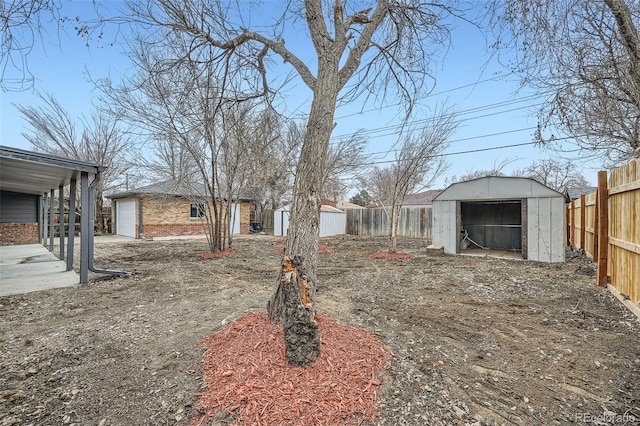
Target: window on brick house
[197,210]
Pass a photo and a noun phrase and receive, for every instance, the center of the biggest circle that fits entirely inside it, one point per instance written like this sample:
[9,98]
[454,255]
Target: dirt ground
[476,340]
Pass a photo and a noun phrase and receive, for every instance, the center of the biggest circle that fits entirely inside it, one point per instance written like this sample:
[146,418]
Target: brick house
[169,209]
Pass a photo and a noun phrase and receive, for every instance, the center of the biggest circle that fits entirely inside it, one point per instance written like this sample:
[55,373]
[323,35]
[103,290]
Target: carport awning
[36,173]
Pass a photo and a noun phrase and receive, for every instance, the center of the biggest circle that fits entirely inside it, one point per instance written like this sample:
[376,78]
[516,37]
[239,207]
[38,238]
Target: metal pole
[51,221]
[72,223]
[85,230]
[41,222]
[61,219]
[92,198]
[45,223]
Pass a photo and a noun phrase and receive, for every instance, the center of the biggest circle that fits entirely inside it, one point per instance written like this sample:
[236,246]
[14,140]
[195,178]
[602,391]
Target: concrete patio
[31,267]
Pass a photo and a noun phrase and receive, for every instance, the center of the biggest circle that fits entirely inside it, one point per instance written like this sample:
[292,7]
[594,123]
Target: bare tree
[383,51]
[170,160]
[556,174]
[178,102]
[419,162]
[584,57]
[101,140]
[274,148]
[20,25]
[345,157]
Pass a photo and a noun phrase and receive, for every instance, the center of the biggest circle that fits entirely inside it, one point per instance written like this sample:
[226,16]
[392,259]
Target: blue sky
[493,112]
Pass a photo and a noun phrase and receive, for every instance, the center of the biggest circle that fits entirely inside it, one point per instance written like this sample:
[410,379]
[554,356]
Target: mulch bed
[249,381]
[386,255]
[321,249]
[219,254]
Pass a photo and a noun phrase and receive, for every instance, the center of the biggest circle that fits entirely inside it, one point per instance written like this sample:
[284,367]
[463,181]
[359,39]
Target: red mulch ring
[321,249]
[250,382]
[386,255]
[212,255]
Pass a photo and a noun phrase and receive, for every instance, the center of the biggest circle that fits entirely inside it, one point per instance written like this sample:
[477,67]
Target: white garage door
[126,218]
[235,219]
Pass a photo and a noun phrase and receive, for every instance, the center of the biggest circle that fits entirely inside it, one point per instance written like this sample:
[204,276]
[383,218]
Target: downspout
[92,215]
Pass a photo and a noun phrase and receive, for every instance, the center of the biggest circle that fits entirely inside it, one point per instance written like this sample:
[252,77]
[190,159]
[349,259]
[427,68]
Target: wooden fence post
[573,225]
[583,215]
[568,224]
[603,228]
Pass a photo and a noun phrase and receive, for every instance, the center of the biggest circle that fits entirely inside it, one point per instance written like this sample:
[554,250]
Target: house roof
[421,198]
[574,193]
[171,188]
[36,173]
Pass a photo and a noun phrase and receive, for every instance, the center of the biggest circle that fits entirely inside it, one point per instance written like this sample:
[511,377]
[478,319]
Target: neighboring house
[571,194]
[169,209]
[421,199]
[515,214]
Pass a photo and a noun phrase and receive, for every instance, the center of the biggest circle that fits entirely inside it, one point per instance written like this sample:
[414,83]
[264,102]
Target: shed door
[126,218]
[495,225]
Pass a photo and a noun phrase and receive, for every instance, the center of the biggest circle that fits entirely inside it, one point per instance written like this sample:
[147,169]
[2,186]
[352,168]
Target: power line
[471,151]
[393,128]
[453,89]
[488,135]
[503,103]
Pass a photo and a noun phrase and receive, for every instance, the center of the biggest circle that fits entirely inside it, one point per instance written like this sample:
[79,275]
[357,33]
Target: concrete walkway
[31,267]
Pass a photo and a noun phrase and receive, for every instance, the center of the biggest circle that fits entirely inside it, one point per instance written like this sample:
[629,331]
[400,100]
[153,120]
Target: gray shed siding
[18,208]
[542,217]
[445,225]
[545,230]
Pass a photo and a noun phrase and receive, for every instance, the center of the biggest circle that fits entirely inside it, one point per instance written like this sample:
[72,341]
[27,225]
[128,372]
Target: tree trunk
[393,232]
[303,343]
[292,300]
[98,215]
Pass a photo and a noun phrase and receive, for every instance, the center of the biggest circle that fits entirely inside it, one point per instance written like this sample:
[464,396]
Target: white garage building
[513,214]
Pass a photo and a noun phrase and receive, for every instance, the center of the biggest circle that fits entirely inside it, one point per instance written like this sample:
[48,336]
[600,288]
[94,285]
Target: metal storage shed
[515,214]
[333,221]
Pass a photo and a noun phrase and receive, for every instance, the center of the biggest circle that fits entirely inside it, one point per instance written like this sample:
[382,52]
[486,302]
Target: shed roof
[36,173]
[330,209]
[171,188]
[496,188]
[323,208]
[348,205]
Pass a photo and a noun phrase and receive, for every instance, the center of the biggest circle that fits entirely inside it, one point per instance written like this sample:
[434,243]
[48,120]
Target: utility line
[446,154]
[372,132]
[430,95]
[471,151]
[488,135]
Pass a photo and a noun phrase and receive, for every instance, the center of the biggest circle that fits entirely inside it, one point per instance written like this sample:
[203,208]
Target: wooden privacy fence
[413,222]
[606,225]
